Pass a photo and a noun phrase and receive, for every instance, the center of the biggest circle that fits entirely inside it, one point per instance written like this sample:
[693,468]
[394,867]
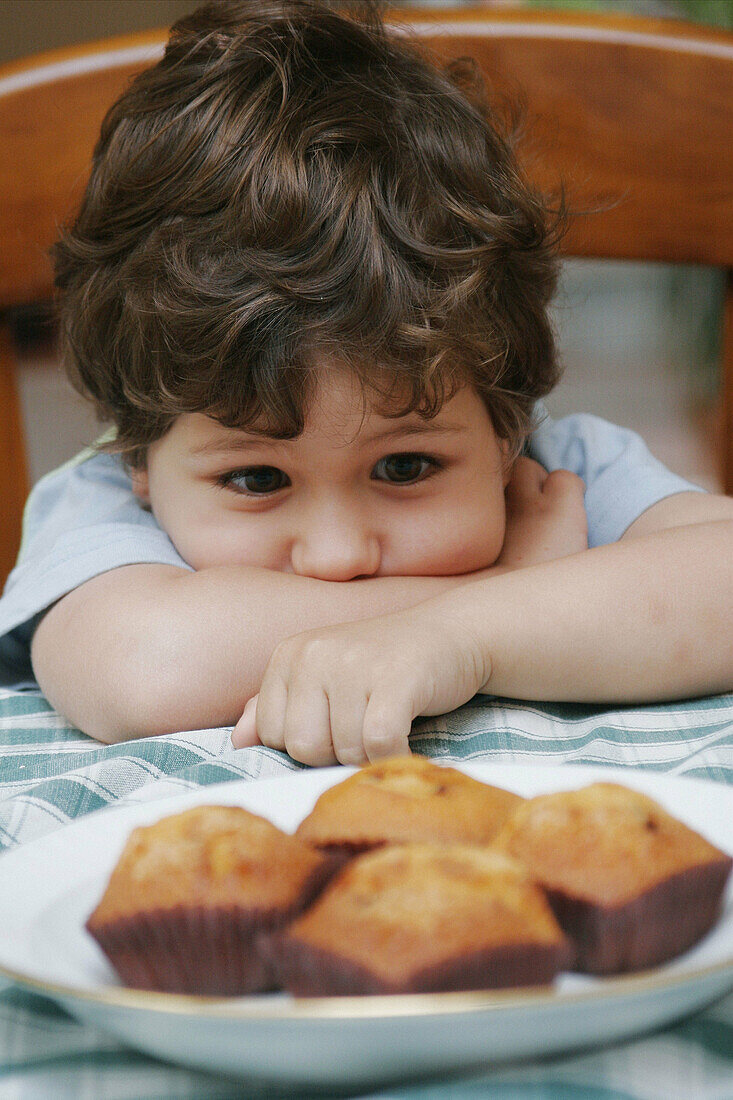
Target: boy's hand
[349,693]
[545,516]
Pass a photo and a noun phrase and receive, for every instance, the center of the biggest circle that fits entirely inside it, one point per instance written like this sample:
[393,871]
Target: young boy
[309,286]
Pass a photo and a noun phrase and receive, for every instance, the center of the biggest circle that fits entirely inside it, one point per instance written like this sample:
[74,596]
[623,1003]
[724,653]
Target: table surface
[50,774]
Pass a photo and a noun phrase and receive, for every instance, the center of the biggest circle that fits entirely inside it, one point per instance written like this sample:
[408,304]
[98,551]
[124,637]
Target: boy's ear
[140,483]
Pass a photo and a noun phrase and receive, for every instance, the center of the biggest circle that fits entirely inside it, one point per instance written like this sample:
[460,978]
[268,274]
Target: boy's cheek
[208,552]
[480,555]
[205,543]
[459,549]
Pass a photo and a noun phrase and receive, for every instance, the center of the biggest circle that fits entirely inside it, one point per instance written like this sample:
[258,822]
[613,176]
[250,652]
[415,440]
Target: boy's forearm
[637,621]
[149,649]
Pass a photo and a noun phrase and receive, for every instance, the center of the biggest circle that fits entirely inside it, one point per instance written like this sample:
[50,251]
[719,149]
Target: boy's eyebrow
[213,447]
[420,427]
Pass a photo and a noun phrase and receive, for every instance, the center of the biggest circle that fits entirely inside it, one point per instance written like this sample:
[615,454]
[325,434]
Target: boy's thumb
[244,733]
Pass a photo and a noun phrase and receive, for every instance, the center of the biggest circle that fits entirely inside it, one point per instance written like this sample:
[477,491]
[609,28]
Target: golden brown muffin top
[404,908]
[603,843]
[407,798]
[209,856]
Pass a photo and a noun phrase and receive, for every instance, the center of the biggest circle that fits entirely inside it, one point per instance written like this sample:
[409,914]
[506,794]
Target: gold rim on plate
[366,1007]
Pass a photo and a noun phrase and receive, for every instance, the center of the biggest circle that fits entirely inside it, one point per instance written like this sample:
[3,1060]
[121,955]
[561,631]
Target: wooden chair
[636,114]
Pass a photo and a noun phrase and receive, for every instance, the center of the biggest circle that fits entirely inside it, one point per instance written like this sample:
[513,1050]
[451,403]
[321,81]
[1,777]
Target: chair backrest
[634,115]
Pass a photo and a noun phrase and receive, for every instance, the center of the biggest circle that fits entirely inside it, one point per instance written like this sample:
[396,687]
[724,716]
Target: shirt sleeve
[81,520]
[622,477]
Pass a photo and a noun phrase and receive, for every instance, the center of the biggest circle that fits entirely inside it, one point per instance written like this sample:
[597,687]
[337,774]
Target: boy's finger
[527,475]
[346,712]
[244,733]
[387,725]
[306,726]
[561,483]
[271,704]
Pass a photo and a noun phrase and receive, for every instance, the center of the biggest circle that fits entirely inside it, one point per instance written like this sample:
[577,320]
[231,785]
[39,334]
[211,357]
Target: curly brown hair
[294,179]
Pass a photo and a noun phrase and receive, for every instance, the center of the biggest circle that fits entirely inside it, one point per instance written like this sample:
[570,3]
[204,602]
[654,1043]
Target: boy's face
[349,498]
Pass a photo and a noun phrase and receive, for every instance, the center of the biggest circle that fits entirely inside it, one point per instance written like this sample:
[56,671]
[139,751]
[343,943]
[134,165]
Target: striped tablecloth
[51,774]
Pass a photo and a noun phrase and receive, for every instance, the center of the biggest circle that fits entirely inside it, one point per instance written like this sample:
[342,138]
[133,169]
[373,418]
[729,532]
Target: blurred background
[640,343]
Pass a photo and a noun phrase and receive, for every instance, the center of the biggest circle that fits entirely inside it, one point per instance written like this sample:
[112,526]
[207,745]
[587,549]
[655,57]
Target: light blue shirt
[83,519]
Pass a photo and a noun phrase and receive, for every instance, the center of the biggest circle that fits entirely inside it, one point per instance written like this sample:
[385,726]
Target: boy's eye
[257,480]
[396,469]
[401,469]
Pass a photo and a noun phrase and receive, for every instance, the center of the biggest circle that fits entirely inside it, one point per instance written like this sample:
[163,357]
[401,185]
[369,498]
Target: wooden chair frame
[635,115]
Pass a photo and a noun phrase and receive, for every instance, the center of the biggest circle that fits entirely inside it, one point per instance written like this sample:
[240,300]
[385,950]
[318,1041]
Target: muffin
[190,895]
[630,885]
[422,918]
[403,799]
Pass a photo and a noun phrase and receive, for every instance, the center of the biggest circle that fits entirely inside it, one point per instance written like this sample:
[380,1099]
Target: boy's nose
[339,549]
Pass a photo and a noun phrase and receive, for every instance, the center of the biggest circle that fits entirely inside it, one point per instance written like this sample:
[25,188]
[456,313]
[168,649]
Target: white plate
[49,886]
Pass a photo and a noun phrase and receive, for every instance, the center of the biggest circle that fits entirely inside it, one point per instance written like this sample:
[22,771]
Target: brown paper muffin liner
[654,927]
[309,971]
[203,951]
[213,952]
